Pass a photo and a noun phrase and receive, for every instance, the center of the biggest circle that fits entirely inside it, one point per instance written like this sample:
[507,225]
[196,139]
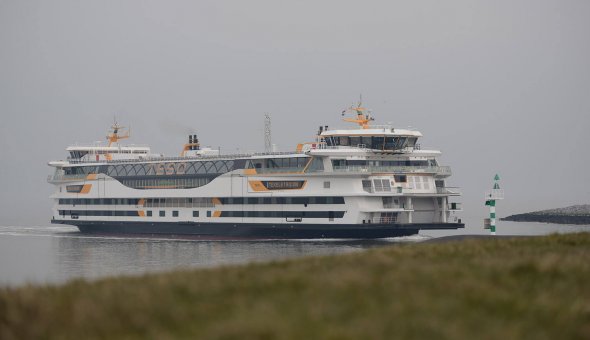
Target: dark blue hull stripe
[259,230]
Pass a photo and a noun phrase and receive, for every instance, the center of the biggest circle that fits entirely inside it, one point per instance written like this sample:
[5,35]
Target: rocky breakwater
[576,214]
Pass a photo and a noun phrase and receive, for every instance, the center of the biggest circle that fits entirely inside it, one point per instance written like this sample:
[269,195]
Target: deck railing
[449,190]
[61,177]
[364,147]
[395,206]
[438,170]
[184,158]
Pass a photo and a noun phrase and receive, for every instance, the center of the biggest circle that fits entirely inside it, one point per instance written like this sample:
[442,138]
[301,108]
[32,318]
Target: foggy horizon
[498,87]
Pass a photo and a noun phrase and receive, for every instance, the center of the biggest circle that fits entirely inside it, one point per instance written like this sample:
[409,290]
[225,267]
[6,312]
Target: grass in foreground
[535,288]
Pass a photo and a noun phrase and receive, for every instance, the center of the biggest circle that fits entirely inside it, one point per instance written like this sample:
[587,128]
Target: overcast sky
[497,86]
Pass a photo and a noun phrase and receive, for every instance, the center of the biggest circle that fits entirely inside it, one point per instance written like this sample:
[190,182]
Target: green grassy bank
[522,288]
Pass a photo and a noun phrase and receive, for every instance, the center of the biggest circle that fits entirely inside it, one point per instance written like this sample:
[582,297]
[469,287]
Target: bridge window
[366,141]
[377,143]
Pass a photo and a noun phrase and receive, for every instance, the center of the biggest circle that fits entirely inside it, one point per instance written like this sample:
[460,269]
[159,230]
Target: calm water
[59,253]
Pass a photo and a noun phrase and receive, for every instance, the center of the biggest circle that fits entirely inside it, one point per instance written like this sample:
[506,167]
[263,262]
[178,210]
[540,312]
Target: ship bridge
[382,138]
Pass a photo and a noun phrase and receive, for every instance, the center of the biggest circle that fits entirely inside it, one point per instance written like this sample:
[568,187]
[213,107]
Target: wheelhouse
[375,139]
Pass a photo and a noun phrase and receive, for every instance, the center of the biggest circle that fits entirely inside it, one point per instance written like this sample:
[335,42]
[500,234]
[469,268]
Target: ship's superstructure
[366,182]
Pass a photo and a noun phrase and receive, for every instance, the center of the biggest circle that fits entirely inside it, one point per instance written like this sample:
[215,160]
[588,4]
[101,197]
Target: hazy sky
[498,86]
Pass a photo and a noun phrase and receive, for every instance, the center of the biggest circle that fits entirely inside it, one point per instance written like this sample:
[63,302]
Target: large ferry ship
[365,182]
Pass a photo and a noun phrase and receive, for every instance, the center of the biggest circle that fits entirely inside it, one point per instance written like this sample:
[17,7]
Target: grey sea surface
[57,254]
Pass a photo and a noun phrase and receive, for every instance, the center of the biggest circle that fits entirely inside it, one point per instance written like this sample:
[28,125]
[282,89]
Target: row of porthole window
[157,183]
[162,213]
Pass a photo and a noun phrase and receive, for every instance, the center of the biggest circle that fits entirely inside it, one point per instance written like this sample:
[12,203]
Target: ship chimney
[195,141]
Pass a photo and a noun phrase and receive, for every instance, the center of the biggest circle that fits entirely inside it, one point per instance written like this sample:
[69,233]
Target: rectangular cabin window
[74,188]
[355,141]
[344,141]
[367,141]
[148,213]
[195,213]
[326,184]
[400,178]
[356,162]
[378,185]
[386,185]
[338,163]
[367,185]
[175,213]
[162,213]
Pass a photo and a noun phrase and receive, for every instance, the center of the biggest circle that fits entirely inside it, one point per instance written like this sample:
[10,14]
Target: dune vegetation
[492,288]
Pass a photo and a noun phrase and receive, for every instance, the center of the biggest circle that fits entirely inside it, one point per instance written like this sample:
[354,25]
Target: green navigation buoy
[491,198]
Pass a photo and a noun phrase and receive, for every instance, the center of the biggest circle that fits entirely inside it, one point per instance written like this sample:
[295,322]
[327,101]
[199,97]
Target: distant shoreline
[559,219]
[576,214]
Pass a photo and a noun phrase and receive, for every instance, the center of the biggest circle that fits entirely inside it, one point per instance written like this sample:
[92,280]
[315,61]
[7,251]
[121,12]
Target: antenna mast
[267,133]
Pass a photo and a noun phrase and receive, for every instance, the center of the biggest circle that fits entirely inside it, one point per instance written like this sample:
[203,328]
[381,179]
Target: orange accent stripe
[91,177]
[217,213]
[86,188]
[249,171]
[141,201]
[141,213]
[216,201]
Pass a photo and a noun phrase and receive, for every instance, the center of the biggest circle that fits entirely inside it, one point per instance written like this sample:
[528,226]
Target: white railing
[449,191]
[385,220]
[104,145]
[395,206]
[278,170]
[55,178]
[439,170]
[178,158]
[323,146]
